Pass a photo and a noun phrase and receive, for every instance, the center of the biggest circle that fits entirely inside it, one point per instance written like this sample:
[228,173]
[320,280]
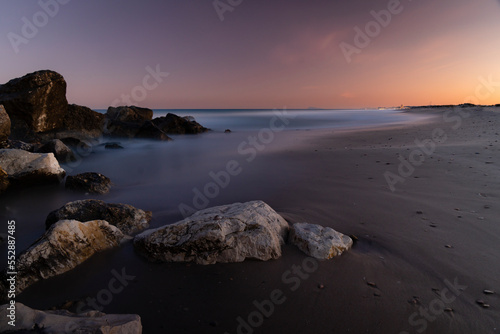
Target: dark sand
[337,179]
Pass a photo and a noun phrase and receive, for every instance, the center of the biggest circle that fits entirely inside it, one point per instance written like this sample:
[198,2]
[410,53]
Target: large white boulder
[318,241]
[64,246]
[57,322]
[228,233]
[30,168]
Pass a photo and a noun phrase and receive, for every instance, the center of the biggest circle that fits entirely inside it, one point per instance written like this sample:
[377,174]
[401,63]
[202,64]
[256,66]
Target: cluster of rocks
[233,233]
[35,117]
[228,233]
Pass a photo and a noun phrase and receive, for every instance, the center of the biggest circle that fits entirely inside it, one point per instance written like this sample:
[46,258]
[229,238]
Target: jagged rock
[228,233]
[25,168]
[94,183]
[4,180]
[126,121]
[4,124]
[173,124]
[38,109]
[318,241]
[82,122]
[62,321]
[62,152]
[35,103]
[130,114]
[128,219]
[64,246]
[150,131]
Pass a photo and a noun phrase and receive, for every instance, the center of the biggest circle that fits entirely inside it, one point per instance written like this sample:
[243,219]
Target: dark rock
[62,152]
[130,114]
[150,131]
[19,145]
[113,146]
[35,103]
[83,120]
[4,124]
[173,124]
[227,131]
[78,145]
[127,218]
[121,129]
[4,180]
[126,121]
[94,183]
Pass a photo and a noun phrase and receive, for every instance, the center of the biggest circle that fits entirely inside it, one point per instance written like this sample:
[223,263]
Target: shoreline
[335,179]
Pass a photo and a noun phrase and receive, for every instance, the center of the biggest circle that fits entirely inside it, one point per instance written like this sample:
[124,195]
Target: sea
[173,179]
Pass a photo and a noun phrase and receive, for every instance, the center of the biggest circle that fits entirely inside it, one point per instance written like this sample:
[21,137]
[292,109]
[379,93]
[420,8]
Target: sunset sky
[264,54]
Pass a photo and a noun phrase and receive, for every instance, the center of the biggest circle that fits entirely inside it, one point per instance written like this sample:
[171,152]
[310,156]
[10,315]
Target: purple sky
[265,54]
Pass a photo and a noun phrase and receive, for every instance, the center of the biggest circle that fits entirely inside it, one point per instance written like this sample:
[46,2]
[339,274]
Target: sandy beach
[424,254]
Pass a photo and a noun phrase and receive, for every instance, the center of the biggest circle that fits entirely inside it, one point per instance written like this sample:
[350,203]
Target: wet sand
[430,245]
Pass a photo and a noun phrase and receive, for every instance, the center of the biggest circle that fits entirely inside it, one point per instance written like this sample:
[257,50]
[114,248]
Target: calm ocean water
[255,119]
[163,176]
[171,178]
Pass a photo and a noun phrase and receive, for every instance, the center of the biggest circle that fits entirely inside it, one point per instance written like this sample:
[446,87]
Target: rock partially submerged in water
[228,233]
[62,321]
[173,124]
[38,108]
[318,241]
[64,246]
[25,168]
[93,183]
[128,219]
[62,152]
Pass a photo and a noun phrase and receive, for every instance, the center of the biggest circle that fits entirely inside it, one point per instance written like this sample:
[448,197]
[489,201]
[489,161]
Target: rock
[173,124]
[228,233]
[62,152]
[318,241]
[130,114]
[4,124]
[81,122]
[127,218]
[4,180]
[150,131]
[25,168]
[94,183]
[64,246]
[113,146]
[35,103]
[227,131]
[19,145]
[62,321]
[126,121]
